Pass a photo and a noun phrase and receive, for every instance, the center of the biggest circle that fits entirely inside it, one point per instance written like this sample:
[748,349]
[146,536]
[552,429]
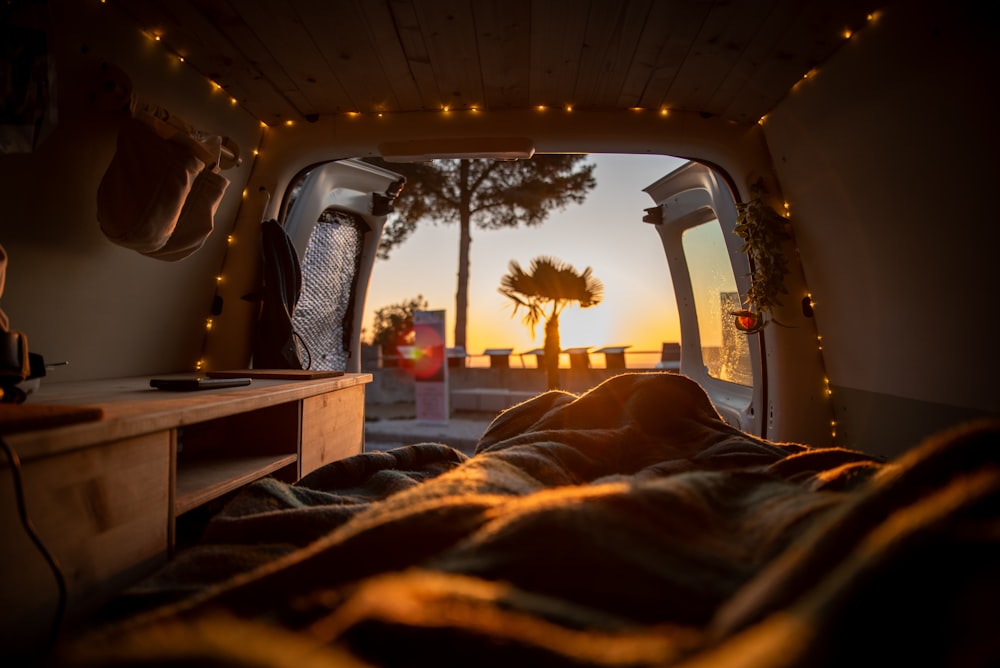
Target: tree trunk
[464,243]
[552,349]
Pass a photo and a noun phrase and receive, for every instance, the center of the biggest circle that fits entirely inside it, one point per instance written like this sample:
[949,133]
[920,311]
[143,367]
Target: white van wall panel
[894,207]
[107,310]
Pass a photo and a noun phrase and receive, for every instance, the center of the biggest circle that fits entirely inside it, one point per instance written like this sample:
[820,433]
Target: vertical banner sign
[429,367]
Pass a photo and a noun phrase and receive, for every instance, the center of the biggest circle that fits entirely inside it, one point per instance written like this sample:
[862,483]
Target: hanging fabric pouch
[197,217]
[143,191]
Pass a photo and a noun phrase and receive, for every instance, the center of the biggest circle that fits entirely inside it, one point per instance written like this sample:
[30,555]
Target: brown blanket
[629,526]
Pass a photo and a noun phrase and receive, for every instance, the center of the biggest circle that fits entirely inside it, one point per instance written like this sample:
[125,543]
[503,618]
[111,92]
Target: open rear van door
[770,382]
[695,218]
[335,213]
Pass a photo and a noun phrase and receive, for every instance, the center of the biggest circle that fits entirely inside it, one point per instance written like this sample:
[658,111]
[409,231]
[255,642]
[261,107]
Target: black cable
[304,347]
[22,510]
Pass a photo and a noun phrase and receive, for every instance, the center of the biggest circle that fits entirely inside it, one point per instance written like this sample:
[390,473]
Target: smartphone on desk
[191,383]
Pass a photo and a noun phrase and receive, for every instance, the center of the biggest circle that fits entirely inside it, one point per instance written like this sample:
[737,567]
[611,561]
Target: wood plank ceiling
[302,59]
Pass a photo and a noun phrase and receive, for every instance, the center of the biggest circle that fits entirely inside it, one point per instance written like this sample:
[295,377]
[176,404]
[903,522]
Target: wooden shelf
[203,480]
[111,493]
[130,408]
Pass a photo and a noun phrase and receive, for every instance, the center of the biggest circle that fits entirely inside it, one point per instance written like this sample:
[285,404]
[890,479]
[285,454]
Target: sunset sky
[606,233]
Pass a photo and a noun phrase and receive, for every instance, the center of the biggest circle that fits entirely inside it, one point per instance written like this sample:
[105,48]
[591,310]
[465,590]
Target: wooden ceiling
[302,59]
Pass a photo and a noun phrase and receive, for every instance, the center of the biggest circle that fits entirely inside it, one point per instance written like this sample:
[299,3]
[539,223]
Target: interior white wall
[107,310]
[888,159]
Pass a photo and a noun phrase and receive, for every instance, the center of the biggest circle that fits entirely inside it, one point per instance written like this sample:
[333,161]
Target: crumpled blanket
[629,526]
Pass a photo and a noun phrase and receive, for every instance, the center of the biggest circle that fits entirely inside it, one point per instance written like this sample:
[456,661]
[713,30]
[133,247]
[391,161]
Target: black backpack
[275,339]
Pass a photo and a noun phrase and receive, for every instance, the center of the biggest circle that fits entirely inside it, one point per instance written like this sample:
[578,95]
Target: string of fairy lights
[231,239]
[663,111]
[157,36]
[808,301]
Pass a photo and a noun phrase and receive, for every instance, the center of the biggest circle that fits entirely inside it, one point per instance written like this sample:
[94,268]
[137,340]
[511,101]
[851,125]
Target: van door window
[725,351]
[329,270]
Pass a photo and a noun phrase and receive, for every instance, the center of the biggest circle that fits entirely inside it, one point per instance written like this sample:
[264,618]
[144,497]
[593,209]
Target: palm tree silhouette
[550,286]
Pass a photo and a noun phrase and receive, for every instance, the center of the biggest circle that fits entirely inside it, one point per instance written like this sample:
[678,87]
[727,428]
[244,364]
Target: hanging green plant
[764,232]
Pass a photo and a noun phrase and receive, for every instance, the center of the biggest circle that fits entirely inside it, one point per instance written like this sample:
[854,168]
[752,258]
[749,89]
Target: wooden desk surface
[131,407]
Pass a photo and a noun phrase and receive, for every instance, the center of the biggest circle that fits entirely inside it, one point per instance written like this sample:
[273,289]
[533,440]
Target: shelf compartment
[221,455]
[205,479]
